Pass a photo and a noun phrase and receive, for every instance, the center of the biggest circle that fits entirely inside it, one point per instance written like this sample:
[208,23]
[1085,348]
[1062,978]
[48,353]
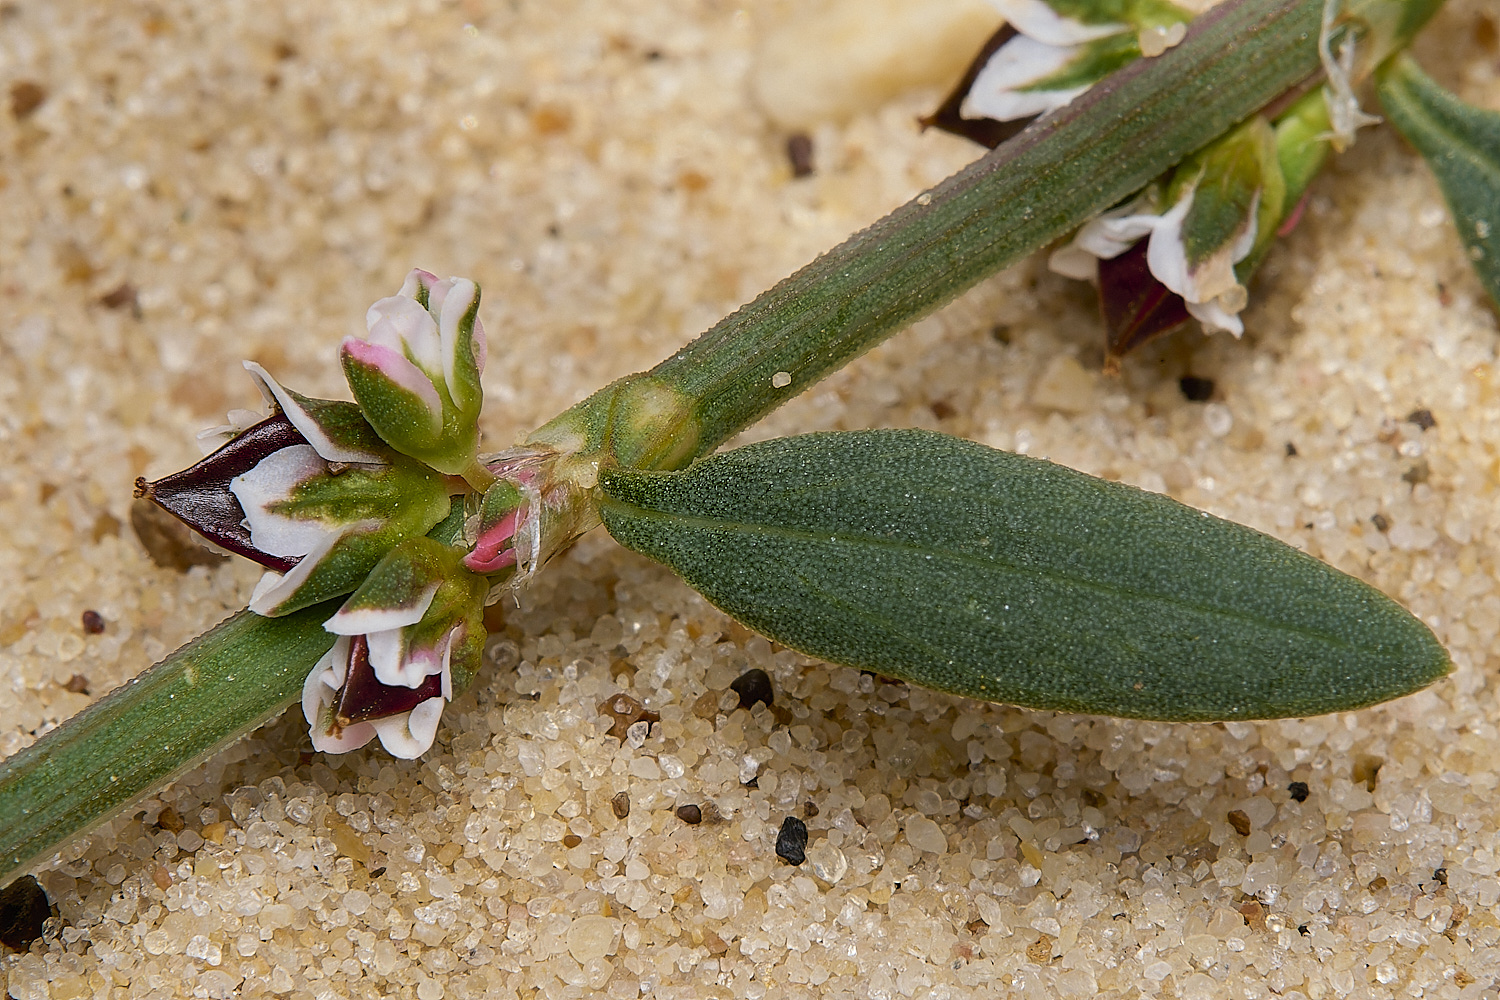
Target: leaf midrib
[805,535]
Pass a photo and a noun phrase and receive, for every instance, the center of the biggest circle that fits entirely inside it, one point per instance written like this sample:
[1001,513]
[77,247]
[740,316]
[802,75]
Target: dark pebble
[690,814]
[1440,875]
[1381,522]
[93,622]
[809,809]
[753,686]
[78,684]
[799,153]
[621,805]
[1298,790]
[791,842]
[1423,418]
[1195,389]
[23,910]
[572,840]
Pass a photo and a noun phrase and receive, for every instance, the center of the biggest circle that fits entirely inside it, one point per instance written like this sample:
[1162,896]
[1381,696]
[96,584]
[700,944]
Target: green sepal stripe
[401,417]
[995,576]
[1234,176]
[1095,61]
[152,729]
[1461,144]
[402,500]
[344,422]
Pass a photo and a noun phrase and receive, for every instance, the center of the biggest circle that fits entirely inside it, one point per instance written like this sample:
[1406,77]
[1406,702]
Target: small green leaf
[995,576]
[1461,144]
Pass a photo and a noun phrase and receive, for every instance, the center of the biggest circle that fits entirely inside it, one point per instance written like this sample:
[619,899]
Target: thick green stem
[1026,193]
[185,709]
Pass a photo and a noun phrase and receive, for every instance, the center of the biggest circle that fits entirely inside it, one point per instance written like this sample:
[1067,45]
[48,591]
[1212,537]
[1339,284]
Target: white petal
[1018,63]
[1166,256]
[394,663]
[1072,261]
[306,425]
[237,422]
[458,298]
[404,326]
[1108,237]
[274,589]
[271,482]
[362,621]
[409,736]
[319,690]
[1215,318]
[1038,20]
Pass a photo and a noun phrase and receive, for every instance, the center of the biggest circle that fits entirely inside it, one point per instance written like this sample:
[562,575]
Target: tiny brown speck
[1240,821]
[621,805]
[809,809]
[25,97]
[162,878]
[799,153]
[690,814]
[170,819]
[93,622]
[77,684]
[572,840]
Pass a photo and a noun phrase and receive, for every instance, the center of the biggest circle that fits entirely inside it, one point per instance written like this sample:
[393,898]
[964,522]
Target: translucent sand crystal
[195,178]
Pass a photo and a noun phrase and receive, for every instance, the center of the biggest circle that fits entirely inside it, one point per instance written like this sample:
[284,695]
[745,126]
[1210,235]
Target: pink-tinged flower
[416,374]
[410,637]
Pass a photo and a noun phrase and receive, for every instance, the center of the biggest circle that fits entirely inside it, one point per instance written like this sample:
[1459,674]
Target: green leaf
[995,576]
[1461,144]
[189,706]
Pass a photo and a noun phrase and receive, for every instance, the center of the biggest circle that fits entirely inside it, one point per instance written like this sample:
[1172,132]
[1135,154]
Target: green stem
[144,734]
[1042,184]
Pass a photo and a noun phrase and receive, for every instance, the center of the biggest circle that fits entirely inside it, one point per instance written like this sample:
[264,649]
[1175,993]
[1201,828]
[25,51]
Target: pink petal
[396,369]
[487,555]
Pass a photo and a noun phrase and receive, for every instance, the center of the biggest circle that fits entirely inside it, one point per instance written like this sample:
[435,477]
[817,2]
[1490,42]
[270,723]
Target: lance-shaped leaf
[995,576]
[1461,144]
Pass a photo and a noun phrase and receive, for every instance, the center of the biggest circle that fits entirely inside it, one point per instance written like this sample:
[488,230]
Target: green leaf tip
[1461,145]
[1005,578]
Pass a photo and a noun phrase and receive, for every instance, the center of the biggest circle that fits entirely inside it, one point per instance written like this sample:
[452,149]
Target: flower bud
[416,376]
[310,492]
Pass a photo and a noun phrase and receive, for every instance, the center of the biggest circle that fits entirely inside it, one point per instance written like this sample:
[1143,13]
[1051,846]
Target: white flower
[407,734]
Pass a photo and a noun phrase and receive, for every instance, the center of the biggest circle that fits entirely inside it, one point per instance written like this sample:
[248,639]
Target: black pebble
[753,686]
[24,908]
[1197,390]
[1298,790]
[1440,875]
[791,842]
[690,814]
[1423,418]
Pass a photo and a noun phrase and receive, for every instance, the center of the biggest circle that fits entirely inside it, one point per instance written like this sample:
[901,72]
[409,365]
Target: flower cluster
[385,500]
[1186,245]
